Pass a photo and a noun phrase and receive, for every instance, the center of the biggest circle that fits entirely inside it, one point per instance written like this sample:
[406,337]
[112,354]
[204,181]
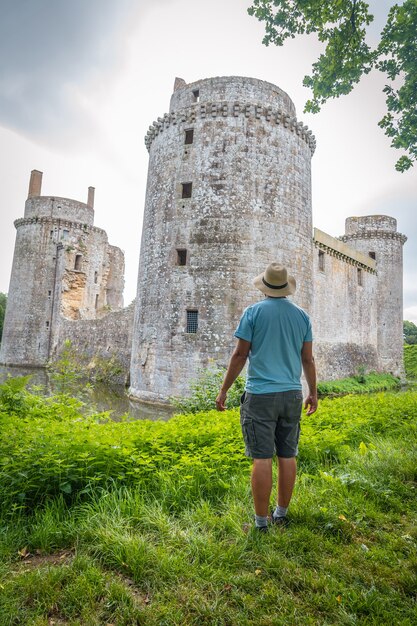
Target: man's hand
[221,400]
[236,365]
[311,403]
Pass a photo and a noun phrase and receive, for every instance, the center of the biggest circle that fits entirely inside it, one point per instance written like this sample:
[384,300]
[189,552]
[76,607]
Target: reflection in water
[97,399]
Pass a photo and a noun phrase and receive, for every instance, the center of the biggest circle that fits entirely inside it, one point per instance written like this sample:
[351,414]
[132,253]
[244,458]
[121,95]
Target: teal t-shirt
[276,329]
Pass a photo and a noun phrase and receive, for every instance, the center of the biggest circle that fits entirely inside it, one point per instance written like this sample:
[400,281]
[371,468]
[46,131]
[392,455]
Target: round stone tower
[60,268]
[377,236]
[229,190]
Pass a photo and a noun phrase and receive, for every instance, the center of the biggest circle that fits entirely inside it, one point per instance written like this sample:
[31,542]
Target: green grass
[410,361]
[173,543]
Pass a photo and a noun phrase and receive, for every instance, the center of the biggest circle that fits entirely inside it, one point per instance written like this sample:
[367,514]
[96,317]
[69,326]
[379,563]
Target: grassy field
[144,523]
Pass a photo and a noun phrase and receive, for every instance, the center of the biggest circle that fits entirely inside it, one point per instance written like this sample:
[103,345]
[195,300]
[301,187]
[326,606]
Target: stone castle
[66,278]
[229,190]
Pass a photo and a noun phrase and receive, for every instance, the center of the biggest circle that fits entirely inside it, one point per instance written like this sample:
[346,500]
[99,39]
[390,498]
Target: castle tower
[63,266]
[377,237]
[229,190]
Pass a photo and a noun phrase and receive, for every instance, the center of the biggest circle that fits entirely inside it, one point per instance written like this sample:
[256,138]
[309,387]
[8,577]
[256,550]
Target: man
[276,336]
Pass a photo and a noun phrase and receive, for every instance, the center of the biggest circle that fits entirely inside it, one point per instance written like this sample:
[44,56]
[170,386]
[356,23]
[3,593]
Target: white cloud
[410,314]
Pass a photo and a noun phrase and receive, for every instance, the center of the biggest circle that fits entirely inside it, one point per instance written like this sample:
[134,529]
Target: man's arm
[309,369]
[236,365]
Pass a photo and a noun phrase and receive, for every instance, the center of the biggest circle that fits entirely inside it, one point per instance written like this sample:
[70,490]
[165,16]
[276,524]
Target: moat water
[96,398]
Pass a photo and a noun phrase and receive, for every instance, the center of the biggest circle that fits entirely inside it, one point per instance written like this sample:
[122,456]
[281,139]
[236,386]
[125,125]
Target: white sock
[280,511]
[261,521]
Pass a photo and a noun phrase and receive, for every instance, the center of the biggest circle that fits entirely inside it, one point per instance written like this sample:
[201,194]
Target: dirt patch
[39,559]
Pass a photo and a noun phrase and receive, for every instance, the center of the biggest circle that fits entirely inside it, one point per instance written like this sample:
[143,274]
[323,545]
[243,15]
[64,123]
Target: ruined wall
[63,267]
[237,143]
[107,338]
[93,276]
[115,277]
[345,313]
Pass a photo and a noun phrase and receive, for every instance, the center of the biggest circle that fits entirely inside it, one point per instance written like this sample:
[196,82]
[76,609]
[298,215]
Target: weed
[204,391]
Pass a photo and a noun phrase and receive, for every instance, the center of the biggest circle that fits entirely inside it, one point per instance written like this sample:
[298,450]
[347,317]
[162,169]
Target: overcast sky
[81,80]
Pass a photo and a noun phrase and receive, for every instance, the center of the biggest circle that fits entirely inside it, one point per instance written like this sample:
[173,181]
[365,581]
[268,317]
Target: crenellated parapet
[375,234]
[59,222]
[215,110]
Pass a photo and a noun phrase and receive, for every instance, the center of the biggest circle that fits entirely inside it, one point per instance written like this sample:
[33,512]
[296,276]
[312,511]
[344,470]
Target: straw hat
[275,281]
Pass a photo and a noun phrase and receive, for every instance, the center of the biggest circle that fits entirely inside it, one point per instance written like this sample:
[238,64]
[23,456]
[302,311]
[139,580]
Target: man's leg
[261,485]
[287,472]
[286,442]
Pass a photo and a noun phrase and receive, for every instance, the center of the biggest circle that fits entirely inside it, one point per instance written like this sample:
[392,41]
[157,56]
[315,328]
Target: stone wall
[107,338]
[63,267]
[59,208]
[377,235]
[248,163]
[345,312]
[28,319]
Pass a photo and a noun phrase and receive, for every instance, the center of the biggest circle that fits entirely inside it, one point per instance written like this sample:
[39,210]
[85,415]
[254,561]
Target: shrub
[361,383]
[204,390]
[68,370]
[410,332]
[410,361]
[13,395]
[73,367]
[52,450]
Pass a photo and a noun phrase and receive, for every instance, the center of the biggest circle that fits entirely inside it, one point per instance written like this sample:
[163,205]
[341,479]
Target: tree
[410,333]
[3,302]
[342,25]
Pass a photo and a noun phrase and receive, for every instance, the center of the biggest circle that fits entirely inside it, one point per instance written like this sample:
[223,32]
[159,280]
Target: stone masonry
[64,272]
[229,184]
[229,190]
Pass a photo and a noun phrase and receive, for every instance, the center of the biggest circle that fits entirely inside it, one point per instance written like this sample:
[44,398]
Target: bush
[410,361]
[73,367]
[52,450]
[204,391]
[361,383]
[410,333]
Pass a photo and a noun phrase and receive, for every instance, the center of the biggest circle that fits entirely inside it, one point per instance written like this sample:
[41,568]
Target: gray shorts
[271,423]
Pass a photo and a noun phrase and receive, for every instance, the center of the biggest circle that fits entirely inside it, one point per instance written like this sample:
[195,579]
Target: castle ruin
[66,279]
[229,190]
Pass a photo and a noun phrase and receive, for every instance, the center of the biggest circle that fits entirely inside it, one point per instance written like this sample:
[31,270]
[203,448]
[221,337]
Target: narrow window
[49,295]
[196,95]
[360,277]
[372,255]
[321,260]
[187,190]
[189,136]
[51,234]
[181,256]
[47,324]
[192,321]
[77,265]
[96,304]
[65,235]
[95,277]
